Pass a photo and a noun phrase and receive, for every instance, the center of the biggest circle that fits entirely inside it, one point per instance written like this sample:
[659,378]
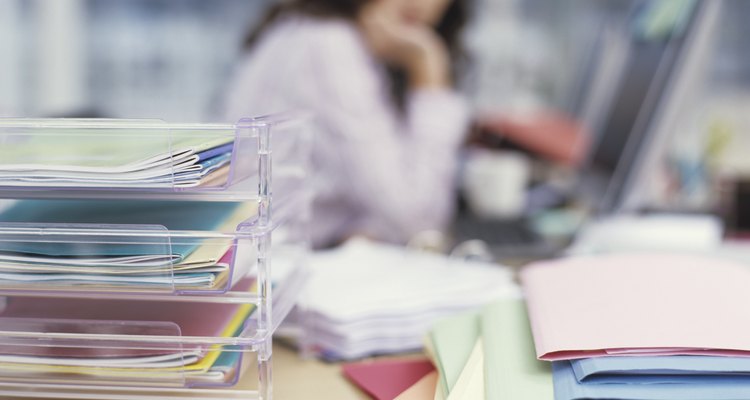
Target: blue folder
[603,369]
[643,387]
[216,151]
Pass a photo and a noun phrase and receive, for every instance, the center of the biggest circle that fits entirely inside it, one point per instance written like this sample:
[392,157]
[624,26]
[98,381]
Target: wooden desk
[295,378]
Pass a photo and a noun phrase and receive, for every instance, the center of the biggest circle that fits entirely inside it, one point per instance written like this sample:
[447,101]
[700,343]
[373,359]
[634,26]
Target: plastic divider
[64,352]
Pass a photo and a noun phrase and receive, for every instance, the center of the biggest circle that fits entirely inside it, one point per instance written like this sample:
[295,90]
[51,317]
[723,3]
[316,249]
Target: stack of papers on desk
[648,326]
[122,161]
[366,298]
[140,261]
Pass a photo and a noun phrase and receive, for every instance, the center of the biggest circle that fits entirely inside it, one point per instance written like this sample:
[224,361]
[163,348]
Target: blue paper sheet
[639,387]
[173,215]
[215,151]
[596,368]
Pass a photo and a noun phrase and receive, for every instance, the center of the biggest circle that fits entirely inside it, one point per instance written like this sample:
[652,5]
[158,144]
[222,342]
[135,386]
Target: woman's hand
[412,46]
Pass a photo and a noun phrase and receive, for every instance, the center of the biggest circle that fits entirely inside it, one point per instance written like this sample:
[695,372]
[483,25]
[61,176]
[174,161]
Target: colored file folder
[200,364]
[636,387]
[109,256]
[175,215]
[511,368]
[386,379]
[454,340]
[647,304]
[602,369]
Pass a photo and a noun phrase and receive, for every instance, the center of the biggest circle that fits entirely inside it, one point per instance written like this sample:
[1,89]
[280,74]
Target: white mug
[494,183]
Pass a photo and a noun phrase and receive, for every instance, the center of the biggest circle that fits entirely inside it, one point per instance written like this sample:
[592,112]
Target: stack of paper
[366,298]
[127,160]
[489,355]
[115,360]
[650,326]
[108,245]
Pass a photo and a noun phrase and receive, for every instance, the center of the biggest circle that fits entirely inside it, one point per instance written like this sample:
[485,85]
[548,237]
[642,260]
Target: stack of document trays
[135,255]
[642,326]
[366,298]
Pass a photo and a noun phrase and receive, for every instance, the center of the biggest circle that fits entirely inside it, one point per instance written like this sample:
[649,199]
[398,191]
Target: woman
[377,75]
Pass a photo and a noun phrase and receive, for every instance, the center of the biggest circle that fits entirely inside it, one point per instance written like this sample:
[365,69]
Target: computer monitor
[653,84]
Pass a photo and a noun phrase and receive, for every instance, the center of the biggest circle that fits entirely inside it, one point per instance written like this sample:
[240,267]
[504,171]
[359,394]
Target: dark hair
[449,28]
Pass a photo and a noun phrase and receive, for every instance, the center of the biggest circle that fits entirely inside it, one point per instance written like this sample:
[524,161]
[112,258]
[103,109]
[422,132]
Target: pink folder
[121,317]
[648,304]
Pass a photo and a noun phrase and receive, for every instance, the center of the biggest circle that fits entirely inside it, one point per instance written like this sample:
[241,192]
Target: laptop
[637,103]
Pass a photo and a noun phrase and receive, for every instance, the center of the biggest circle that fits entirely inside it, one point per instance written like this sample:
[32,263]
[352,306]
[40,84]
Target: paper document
[115,161]
[393,296]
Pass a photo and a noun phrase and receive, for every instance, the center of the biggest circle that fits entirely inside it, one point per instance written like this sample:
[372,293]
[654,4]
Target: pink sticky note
[384,380]
[655,304]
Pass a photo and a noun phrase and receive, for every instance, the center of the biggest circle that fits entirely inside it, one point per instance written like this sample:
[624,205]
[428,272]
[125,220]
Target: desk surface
[296,378]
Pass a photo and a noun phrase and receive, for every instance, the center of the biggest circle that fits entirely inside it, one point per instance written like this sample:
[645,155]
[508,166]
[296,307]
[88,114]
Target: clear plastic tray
[122,306]
[151,159]
[109,258]
[127,359]
[150,348]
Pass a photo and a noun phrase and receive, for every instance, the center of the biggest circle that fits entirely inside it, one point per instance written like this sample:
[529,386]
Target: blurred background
[171,59]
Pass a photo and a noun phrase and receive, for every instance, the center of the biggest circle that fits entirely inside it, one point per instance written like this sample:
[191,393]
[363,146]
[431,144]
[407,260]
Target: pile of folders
[642,327]
[159,262]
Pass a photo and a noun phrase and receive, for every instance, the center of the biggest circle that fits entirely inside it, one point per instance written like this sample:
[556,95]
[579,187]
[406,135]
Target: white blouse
[376,172]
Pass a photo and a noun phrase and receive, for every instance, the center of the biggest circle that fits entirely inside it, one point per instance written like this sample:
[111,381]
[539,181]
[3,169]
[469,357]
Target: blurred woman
[378,76]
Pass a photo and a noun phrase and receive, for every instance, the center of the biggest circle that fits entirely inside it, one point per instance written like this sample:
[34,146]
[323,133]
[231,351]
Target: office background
[171,58]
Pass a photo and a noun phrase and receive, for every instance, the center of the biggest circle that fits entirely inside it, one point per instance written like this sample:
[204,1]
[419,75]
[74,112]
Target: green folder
[512,370]
[453,339]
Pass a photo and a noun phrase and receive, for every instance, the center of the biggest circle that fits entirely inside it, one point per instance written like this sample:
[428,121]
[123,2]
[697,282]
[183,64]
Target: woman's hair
[449,28]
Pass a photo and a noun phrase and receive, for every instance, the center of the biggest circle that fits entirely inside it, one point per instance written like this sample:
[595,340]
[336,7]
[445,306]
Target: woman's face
[427,12]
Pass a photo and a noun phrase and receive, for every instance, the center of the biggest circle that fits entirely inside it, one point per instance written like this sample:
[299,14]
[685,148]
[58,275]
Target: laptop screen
[644,87]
